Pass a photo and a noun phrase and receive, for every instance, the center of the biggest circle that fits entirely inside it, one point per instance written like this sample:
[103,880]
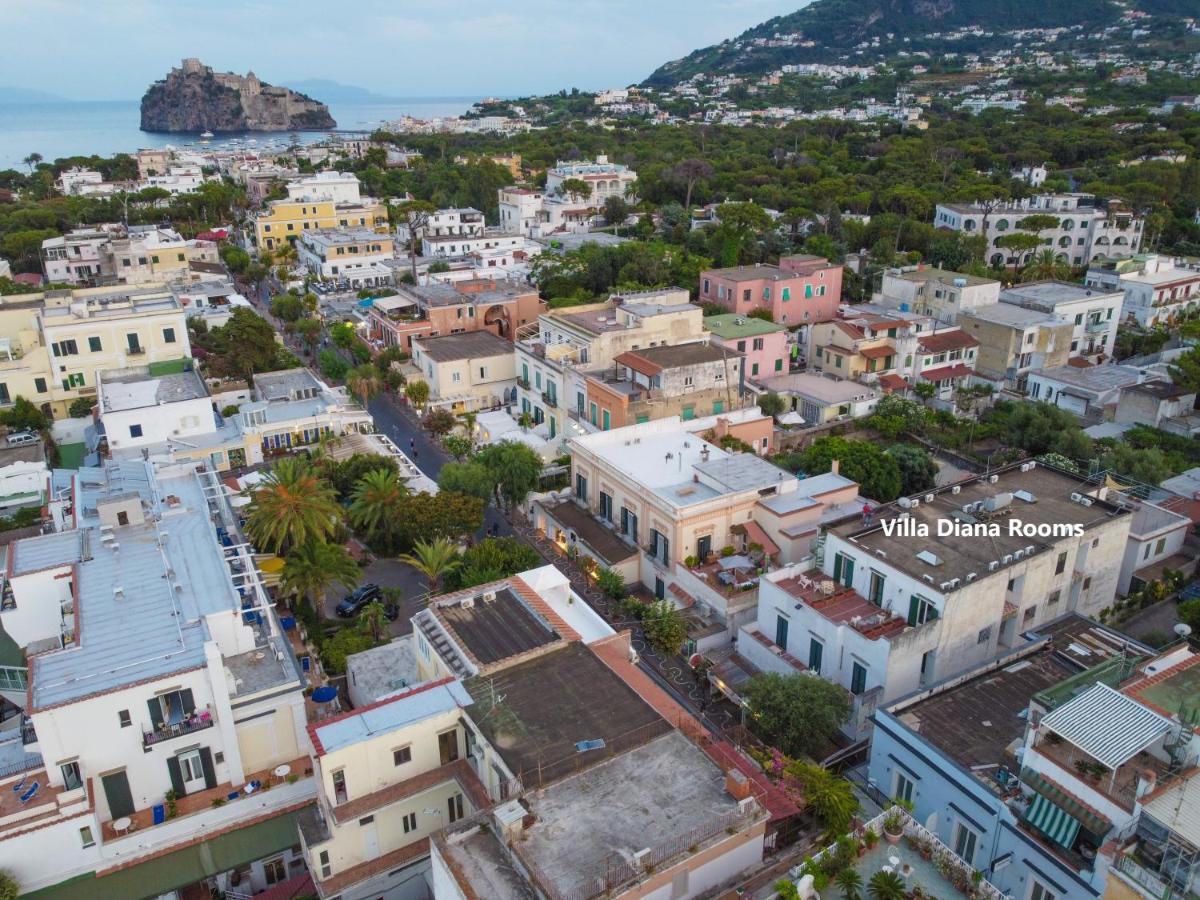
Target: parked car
[21,437]
[353,603]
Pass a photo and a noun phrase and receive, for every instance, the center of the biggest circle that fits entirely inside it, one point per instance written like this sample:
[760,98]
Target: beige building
[156,254]
[935,292]
[286,220]
[1013,341]
[472,370]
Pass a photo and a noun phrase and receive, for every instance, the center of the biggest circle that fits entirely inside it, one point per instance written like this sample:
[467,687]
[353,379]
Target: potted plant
[925,848]
[850,883]
[893,825]
[886,886]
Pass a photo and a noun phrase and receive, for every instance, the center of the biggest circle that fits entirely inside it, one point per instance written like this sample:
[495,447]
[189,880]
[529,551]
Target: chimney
[834,466]
[737,784]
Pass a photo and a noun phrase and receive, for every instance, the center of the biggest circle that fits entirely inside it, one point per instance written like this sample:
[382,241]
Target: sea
[57,130]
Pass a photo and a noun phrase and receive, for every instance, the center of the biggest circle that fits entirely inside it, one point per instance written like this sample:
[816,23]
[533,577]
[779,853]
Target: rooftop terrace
[136,388]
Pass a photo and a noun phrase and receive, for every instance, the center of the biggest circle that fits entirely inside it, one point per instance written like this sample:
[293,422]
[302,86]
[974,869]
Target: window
[964,843]
[323,859]
[781,632]
[124,718]
[920,610]
[1041,892]
[168,335]
[1160,546]
[984,636]
[787,293]
[448,746]
[410,822]
[39,385]
[65,348]
[875,592]
[4,396]
[815,651]
[70,774]
[606,506]
[858,679]
[843,569]
[454,806]
[275,870]
[905,788]
[86,838]
[134,343]
[1061,565]
[1028,616]
[758,343]
[581,488]
[1053,599]
[135,431]
[401,755]
[94,344]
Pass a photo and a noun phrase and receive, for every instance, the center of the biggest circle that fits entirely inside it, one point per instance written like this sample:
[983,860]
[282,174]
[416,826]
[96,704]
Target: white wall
[39,598]
[160,423]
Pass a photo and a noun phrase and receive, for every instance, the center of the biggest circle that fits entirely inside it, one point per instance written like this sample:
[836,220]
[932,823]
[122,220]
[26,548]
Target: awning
[1091,820]
[1052,821]
[946,372]
[755,535]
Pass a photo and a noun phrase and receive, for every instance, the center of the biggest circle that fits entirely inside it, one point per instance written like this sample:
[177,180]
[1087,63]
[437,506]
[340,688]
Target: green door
[815,651]
[116,790]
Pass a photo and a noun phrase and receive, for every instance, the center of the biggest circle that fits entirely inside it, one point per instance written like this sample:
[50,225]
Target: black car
[353,603]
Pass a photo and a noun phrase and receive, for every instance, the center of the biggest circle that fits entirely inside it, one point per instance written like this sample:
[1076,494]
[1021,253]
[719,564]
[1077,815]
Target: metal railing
[13,678]
[167,732]
[1146,879]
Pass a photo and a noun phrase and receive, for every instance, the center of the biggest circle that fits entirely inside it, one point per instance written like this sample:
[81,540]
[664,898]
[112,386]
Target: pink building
[799,291]
[764,344]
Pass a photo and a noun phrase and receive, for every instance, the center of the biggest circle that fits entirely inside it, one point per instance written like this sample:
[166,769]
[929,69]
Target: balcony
[136,351]
[1096,327]
[523,383]
[1120,786]
[169,732]
[550,400]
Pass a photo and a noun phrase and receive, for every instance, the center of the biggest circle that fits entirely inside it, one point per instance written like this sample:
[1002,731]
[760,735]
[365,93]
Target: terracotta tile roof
[853,330]
[776,649]
[688,599]
[941,341]
[958,370]
[891,382]
[458,771]
[1079,362]
[881,352]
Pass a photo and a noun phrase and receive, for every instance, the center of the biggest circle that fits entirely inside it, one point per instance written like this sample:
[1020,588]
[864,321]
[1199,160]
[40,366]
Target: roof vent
[928,577]
[929,498]
[929,558]
[971,576]
[468,603]
[992,479]
[957,489]
[1008,557]
[993,565]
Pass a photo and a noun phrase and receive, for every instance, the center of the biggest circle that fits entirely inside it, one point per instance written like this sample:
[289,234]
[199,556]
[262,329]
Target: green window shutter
[156,713]
[206,763]
[189,702]
[913,605]
[176,774]
[837,567]
[848,569]
[858,679]
[815,652]
[932,614]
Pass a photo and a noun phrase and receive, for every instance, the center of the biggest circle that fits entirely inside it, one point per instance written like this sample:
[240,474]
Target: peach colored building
[801,290]
[432,310]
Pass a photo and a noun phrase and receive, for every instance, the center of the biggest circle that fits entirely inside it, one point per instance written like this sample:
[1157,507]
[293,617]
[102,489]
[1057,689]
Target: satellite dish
[1183,629]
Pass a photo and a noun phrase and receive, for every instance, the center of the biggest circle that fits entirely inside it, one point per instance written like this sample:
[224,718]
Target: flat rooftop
[976,721]
[760,272]
[536,712]
[126,389]
[391,714]
[1040,496]
[930,273]
[1093,378]
[732,327]
[818,387]
[1047,295]
[1171,691]
[1008,314]
[285,384]
[380,671]
[663,789]
[468,345]
[477,292]
[492,630]
[654,360]
[602,541]
[478,858]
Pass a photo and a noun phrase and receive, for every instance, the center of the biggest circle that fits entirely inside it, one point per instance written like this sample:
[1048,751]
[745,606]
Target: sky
[409,48]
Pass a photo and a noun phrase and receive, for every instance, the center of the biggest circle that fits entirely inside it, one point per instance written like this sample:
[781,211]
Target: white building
[1087,392]
[471,370]
[535,213]
[1158,289]
[346,254]
[338,187]
[1093,312]
[889,604]
[24,476]
[138,409]
[79,182]
[158,671]
[77,256]
[1086,231]
[176,180]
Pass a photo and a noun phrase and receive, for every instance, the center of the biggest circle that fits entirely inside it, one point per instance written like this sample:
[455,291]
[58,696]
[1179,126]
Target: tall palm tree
[433,560]
[364,382]
[468,420]
[1046,266]
[32,160]
[372,621]
[313,568]
[376,504]
[291,508]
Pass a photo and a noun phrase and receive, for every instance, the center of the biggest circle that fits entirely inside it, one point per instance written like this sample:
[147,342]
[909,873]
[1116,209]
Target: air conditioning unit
[1086,501]
[489,597]
[971,576]
[1076,497]
[1029,550]
[1007,558]
[992,479]
[993,565]
[913,504]
[468,603]
[957,489]
[929,498]
[928,577]
[955,582]
[1018,554]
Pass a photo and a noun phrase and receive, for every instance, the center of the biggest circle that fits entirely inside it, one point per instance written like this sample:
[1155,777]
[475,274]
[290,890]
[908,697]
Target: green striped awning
[1052,821]
[1091,821]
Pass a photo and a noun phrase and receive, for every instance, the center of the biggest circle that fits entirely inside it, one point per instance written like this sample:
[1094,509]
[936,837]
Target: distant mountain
[336,92]
[835,27]
[13,94]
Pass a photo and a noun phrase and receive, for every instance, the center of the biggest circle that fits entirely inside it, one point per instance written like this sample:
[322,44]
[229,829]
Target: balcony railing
[135,351]
[523,383]
[1096,327]
[13,678]
[550,400]
[167,732]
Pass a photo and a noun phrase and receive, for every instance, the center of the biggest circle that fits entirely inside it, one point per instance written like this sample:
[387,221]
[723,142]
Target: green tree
[345,643]
[575,187]
[691,172]
[287,307]
[235,258]
[364,382]
[292,507]
[377,506]
[1189,614]
[372,621]
[799,714]
[887,886]
[615,211]
[445,514]
[918,471]
[772,404]
[24,415]
[877,474]
[490,560]
[333,366]
[1046,266]
[516,468]
[10,888]
[80,408]
[249,344]
[414,216]
[458,445]
[828,795]
[664,627]
[417,392]
[740,222]
[1185,371]
[850,883]
[1018,244]
[309,331]
[612,583]
[312,568]
[468,478]
[438,421]
[433,559]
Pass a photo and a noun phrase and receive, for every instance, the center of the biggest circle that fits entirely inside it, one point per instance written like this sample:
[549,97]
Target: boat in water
[206,135]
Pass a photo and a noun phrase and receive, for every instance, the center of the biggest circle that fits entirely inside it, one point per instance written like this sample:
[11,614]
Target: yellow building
[286,220]
[83,332]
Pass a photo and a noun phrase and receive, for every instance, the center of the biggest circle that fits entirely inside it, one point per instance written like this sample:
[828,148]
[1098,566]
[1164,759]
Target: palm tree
[32,160]
[376,504]
[364,382]
[886,886]
[291,508]
[372,621]
[433,560]
[1046,266]
[313,568]
[468,420]
[850,883]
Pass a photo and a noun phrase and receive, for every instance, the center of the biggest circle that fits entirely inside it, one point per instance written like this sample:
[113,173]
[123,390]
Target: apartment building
[132,255]
[159,681]
[292,408]
[555,353]
[685,380]
[764,344]
[1014,341]
[152,162]
[326,200]
[606,179]
[25,365]
[465,372]
[932,587]
[1158,289]
[1093,313]
[817,399]
[77,258]
[24,475]
[1087,228]
[957,754]
[496,305]
[139,409]
[1091,393]
[354,255]
[336,187]
[536,213]
[801,291]
[936,293]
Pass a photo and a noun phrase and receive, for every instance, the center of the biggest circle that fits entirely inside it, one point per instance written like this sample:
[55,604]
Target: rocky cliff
[195,98]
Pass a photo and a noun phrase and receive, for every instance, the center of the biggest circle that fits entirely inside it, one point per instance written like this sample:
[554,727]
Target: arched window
[1064,241]
[968,224]
[1002,225]
[997,260]
[1068,224]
